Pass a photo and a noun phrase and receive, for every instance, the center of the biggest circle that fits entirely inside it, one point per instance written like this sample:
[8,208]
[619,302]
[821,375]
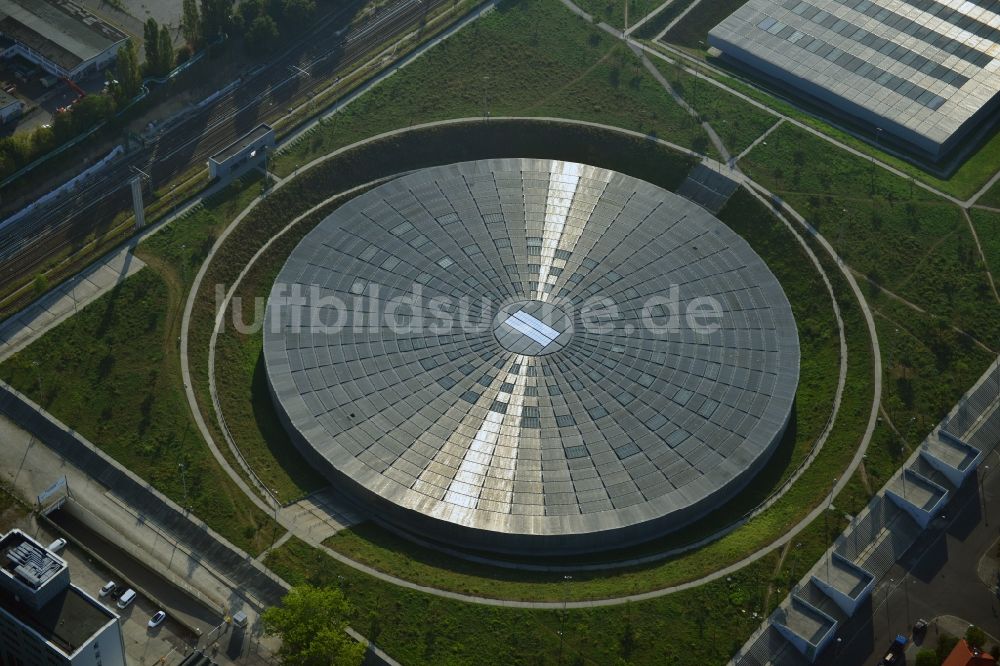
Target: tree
[310,622]
[127,72]
[151,39]
[297,14]
[91,110]
[262,34]
[166,52]
[249,10]
[975,637]
[215,17]
[191,23]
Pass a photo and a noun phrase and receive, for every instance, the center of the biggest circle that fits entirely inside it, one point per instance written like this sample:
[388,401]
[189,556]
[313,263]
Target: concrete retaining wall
[261,587]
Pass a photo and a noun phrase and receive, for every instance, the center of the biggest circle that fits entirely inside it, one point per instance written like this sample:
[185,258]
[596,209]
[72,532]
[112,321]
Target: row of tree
[974,636]
[159,49]
[205,22]
[23,148]
[262,23]
[200,24]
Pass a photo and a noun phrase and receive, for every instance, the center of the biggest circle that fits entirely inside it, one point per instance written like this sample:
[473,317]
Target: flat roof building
[239,152]
[44,619]
[58,35]
[10,107]
[922,71]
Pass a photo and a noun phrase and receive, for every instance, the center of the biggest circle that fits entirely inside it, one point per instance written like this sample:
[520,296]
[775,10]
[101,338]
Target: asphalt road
[178,604]
[262,95]
[937,576]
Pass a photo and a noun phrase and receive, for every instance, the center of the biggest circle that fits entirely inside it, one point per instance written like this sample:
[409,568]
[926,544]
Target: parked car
[108,588]
[896,653]
[920,628]
[57,545]
[127,598]
[117,591]
[157,619]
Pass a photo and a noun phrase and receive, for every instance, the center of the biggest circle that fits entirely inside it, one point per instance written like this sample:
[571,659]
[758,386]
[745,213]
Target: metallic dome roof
[521,355]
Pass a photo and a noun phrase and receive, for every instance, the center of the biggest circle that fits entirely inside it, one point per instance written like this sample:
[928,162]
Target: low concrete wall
[261,587]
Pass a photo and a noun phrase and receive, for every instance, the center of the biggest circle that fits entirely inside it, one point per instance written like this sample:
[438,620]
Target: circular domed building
[531,356]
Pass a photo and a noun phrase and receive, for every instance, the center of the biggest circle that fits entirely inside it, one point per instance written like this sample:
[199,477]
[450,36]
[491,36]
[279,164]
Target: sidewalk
[64,301]
[30,467]
[23,328]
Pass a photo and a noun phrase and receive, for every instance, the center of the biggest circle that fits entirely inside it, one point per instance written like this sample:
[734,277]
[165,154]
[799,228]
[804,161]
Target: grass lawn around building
[372,545]
[974,172]
[612,12]
[987,225]
[991,197]
[527,58]
[894,235]
[248,413]
[658,23]
[112,372]
[692,30]
[737,122]
[690,628]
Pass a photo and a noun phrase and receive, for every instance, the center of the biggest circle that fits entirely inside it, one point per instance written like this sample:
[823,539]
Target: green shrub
[975,637]
[928,657]
[946,643]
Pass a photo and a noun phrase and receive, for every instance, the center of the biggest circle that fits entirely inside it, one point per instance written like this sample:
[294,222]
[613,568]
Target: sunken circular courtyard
[531,356]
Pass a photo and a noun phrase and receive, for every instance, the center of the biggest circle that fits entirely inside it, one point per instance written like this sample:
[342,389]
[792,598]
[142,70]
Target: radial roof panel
[923,70]
[484,353]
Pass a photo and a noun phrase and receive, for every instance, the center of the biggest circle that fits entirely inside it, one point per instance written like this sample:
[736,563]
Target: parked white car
[156,620]
[108,588]
[126,599]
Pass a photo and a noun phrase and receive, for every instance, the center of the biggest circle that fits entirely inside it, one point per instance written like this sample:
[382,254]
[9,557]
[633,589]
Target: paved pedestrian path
[321,515]
[292,518]
[67,299]
[709,189]
[30,467]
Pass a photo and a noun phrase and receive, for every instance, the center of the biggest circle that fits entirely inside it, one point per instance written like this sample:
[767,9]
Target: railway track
[262,96]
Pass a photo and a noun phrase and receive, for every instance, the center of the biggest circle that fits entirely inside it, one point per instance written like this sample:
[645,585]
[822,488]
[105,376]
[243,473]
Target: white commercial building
[44,619]
[60,36]
[924,72]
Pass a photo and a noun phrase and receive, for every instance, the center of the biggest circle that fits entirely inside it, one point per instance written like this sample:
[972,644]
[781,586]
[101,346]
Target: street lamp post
[982,494]
[184,482]
[38,379]
[562,619]
[274,527]
[888,589]
[486,110]
[906,595]
[878,136]
[795,561]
